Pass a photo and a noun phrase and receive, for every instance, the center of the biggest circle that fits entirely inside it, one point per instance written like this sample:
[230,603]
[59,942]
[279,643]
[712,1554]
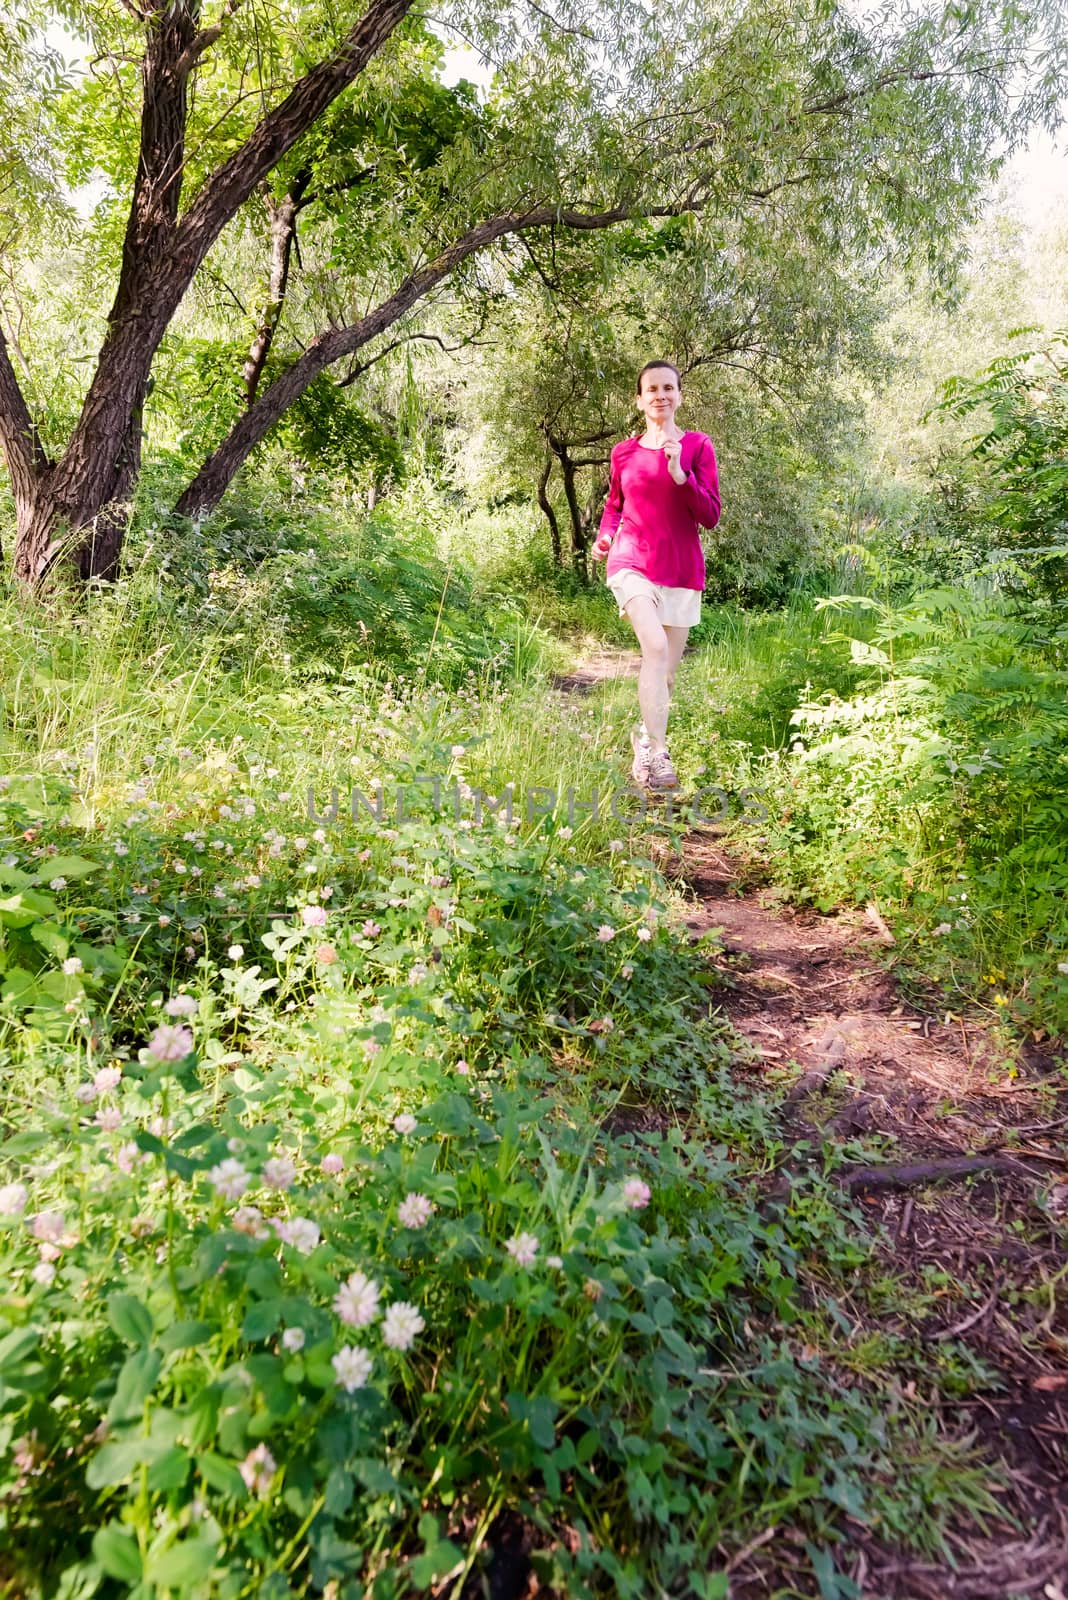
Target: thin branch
[204,39]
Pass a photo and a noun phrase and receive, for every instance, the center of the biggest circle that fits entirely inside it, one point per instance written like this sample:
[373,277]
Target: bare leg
[661,653]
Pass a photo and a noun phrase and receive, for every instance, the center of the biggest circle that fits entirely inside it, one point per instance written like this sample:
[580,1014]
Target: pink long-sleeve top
[653,520]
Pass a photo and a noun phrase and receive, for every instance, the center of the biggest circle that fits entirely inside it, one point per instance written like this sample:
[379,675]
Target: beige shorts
[676,608]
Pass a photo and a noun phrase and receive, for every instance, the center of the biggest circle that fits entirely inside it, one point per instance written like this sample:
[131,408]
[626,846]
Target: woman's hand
[601,547]
[672,449]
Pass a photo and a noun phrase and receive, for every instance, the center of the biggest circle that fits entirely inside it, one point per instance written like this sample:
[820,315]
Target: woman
[663,484]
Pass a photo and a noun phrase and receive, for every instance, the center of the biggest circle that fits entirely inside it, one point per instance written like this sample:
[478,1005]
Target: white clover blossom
[229,1178]
[57,884]
[301,1233]
[556,1262]
[44,1272]
[13,1198]
[171,1043]
[49,1226]
[401,1325]
[313,916]
[636,1194]
[405,1122]
[523,1248]
[250,1220]
[293,1339]
[332,1165]
[109,1119]
[279,1172]
[645,934]
[370,929]
[181,1005]
[415,1210]
[1062,966]
[128,1155]
[85,1093]
[606,932]
[72,966]
[356,1302]
[235,952]
[106,1079]
[371,1047]
[258,1469]
[943,927]
[352,1367]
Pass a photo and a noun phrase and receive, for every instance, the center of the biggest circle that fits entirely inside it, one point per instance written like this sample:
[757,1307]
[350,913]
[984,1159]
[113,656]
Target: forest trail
[964,1174]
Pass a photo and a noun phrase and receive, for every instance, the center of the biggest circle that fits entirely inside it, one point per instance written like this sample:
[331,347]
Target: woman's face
[660,396]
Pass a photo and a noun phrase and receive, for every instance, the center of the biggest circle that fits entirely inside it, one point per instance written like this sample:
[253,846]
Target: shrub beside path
[952,1139]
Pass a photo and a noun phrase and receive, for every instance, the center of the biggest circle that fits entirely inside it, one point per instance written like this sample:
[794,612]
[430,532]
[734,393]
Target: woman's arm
[701,488]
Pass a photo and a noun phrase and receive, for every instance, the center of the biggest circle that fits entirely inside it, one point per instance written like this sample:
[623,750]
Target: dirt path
[964,1191]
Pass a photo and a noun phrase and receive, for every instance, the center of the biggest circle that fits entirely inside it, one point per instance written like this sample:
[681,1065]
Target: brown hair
[651,366]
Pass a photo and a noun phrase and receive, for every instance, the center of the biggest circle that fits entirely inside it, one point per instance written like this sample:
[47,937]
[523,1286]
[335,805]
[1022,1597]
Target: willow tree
[876,129]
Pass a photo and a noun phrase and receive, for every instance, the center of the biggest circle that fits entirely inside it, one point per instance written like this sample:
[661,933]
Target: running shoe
[662,774]
[640,767]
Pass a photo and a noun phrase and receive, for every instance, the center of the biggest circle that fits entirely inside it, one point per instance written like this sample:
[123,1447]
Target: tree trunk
[283,215]
[578,533]
[550,515]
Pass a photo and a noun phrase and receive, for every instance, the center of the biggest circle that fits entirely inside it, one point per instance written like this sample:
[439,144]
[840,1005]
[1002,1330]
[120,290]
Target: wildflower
[249,1219]
[626,970]
[170,1043]
[279,1173]
[57,884]
[85,1093]
[458,750]
[401,1325]
[229,1178]
[292,1339]
[371,1047]
[127,1155]
[235,952]
[72,965]
[300,1232]
[313,916]
[44,1273]
[326,955]
[109,1119]
[462,1068]
[258,1469]
[352,1367]
[592,1290]
[13,1198]
[415,1210]
[523,1248]
[364,855]
[605,932]
[332,1164]
[405,1122]
[615,844]
[1062,966]
[180,1005]
[943,927]
[556,1262]
[645,934]
[356,1302]
[370,930]
[418,972]
[49,1226]
[565,832]
[636,1194]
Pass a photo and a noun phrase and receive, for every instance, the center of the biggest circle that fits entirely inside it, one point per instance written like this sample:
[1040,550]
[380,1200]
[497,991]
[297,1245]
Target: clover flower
[279,1172]
[13,1198]
[415,1210]
[249,1219]
[181,1005]
[49,1226]
[313,916]
[229,1178]
[356,1302]
[523,1248]
[605,932]
[645,934]
[300,1232]
[352,1367]
[293,1339]
[405,1122]
[72,965]
[106,1079]
[636,1194]
[370,929]
[258,1469]
[332,1165]
[170,1043]
[401,1325]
